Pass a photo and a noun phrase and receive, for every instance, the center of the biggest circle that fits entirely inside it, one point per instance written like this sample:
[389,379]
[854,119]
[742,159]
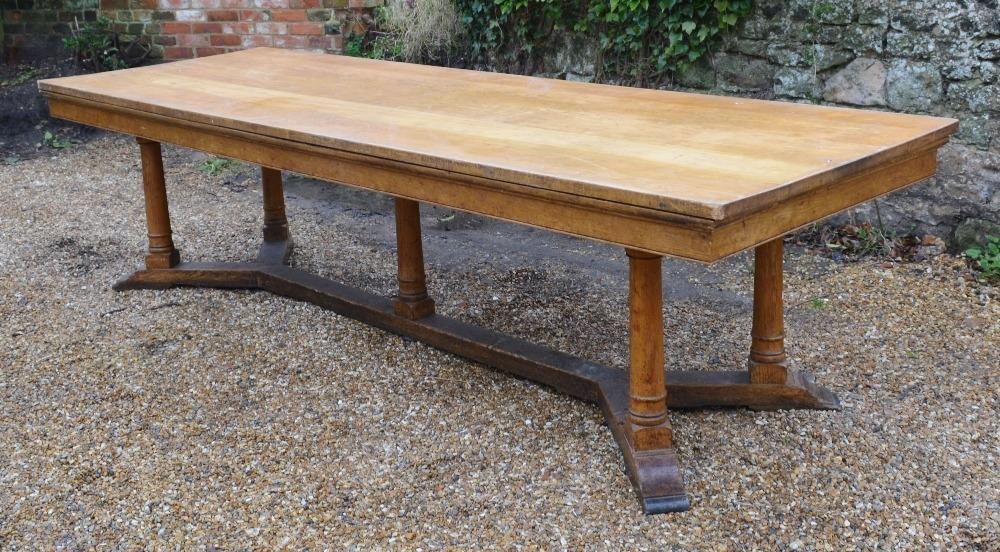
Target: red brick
[271,4]
[270,28]
[253,15]
[288,15]
[13,16]
[307,4]
[233,4]
[254,41]
[225,40]
[305,28]
[175,28]
[322,42]
[237,28]
[206,28]
[202,52]
[291,41]
[223,15]
[177,53]
[192,40]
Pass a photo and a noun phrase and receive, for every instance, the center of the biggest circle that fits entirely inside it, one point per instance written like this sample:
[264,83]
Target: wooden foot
[215,275]
[768,361]
[412,300]
[655,472]
[161,244]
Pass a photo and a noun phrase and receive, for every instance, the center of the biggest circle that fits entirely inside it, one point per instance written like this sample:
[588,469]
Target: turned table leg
[636,406]
[275,221]
[767,348]
[412,300]
[647,390]
[161,244]
[277,246]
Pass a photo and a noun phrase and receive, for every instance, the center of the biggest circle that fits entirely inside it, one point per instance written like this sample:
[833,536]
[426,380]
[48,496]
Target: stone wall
[935,57]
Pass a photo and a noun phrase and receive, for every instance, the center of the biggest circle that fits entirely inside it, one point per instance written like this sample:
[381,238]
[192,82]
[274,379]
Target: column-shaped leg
[647,410]
[277,246]
[275,221]
[161,244]
[767,348]
[412,300]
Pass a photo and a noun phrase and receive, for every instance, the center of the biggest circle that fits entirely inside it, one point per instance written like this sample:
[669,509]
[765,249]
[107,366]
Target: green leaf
[639,39]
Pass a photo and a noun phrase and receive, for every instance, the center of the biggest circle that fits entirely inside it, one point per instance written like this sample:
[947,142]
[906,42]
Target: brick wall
[180,29]
[35,28]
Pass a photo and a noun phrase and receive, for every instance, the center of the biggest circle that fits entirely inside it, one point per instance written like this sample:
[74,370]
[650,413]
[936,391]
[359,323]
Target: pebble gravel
[198,419]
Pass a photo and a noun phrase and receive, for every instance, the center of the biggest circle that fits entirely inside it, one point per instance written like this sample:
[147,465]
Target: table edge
[720,213]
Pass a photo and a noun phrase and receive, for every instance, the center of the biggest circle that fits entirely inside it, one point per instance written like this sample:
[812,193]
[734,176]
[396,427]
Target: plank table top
[697,160]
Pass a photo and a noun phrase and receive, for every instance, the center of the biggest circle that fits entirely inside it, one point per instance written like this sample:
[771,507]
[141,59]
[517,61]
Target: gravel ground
[230,420]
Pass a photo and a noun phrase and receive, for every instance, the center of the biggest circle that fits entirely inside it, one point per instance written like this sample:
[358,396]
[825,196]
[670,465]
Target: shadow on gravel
[455,240]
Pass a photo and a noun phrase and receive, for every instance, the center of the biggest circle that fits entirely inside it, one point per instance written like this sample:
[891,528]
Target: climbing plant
[506,32]
[638,40]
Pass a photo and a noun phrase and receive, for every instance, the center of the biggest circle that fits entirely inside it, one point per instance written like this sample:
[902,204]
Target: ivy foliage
[638,40]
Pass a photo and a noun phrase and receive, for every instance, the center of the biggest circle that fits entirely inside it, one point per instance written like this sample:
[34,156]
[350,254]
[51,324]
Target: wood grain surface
[710,157]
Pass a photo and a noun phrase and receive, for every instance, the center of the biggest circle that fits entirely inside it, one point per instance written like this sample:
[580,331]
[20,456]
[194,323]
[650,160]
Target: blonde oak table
[658,173]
